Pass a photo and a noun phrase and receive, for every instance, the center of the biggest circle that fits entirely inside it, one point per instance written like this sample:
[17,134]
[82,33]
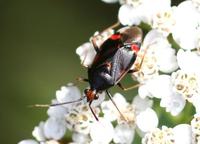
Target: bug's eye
[135,48]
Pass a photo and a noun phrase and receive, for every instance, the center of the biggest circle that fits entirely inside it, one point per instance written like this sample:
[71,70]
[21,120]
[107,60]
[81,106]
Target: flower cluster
[78,119]
[170,72]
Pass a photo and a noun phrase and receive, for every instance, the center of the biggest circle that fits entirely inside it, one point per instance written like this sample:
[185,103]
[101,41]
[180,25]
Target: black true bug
[113,61]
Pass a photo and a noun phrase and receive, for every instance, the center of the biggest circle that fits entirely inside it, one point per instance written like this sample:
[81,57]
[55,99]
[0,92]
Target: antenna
[56,104]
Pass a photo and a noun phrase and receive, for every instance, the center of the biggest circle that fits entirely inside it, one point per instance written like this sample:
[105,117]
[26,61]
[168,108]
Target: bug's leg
[110,97]
[138,67]
[128,88]
[93,111]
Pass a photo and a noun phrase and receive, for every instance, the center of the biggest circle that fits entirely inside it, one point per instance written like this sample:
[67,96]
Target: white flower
[111,113]
[57,111]
[141,104]
[124,134]
[164,21]
[186,84]
[28,141]
[159,56]
[101,132]
[173,103]
[54,128]
[182,134]
[80,138]
[67,94]
[134,12]
[161,87]
[147,120]
[38,132]
[128,15]
[188,61]
[159,136]
[86,53]
[186,30]
[80,118]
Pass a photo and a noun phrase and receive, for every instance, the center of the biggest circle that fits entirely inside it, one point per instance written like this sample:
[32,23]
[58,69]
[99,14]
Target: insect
[114,59]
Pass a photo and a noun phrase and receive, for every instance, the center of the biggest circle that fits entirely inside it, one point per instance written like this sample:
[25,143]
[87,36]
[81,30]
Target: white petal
[141,104]
[109,110]
[188,61]
[101,132]
[124,134]
[38,132]
[143,91]
[174,103]
[80,138]
[86,53]
[128,15]
[147,120]
[57,111]
[110,1]
[54,128]
[166,60]
[185,33]
[182,134]
[160,86]
[28,141]
[67,94]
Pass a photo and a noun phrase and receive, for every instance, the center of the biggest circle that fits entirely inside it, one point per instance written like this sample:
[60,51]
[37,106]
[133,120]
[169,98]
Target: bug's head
[90,94]
[131,34]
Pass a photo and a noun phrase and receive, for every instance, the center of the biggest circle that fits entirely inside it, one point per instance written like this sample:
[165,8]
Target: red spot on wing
[115,36]
[135,48]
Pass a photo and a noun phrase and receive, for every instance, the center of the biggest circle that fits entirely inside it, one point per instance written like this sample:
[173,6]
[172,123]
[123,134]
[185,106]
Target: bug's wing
[106,52]
[122,61]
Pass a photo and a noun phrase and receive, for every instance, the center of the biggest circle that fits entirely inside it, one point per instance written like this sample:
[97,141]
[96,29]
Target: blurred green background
[38,39]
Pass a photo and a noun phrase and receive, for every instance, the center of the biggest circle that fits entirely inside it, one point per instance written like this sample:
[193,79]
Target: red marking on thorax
[135,48]
[115,36]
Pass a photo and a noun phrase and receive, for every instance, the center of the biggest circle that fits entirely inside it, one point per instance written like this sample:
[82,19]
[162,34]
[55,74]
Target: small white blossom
[38,132]
[101,132]
[57,111]
[124,134]
[161,87]
[28,141]
[86,53]
[164,21]
[147,120]
[186,30]
[80,138]
[54,128]
[67,94]
[182,134]
[159,56]
[80,118]
[159,136]
[134,12]
[141,104]
[188,61]
[111,113]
